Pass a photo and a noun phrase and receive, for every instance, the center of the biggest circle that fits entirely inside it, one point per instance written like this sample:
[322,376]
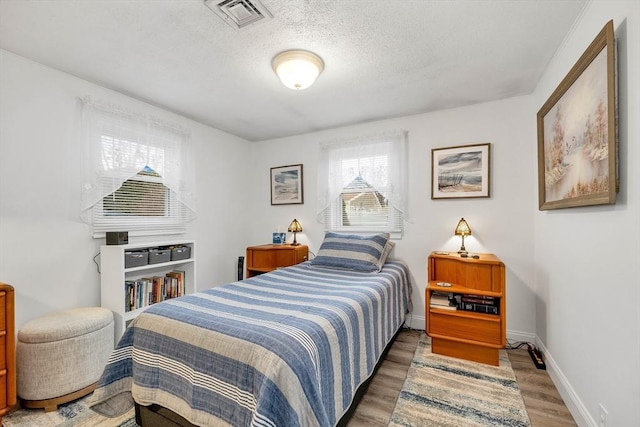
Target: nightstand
[265,258]
[476,329]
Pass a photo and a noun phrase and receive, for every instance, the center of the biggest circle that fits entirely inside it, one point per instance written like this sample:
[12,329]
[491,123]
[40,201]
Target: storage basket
[159,255]
[136,259]
[180,252]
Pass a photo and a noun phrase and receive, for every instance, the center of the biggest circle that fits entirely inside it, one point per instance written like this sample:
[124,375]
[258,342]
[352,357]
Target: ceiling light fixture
[297,69]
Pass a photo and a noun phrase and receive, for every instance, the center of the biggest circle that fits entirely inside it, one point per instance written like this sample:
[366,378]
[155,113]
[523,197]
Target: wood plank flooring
[543,402]
[541,398]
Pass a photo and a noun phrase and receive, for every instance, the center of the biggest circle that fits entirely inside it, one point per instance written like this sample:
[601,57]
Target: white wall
[501,224]
[587,260]
[45,250]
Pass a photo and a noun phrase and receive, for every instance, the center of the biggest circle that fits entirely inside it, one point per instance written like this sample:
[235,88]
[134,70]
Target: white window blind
[140,205]
[362,184]
[138,175]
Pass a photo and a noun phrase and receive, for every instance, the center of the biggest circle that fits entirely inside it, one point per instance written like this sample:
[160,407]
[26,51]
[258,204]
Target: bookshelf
[467,334]
[115,275]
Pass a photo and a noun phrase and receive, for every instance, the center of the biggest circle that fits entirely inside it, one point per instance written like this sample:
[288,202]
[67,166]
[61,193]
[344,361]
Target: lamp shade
[463,229]
[295,227]
[297,69]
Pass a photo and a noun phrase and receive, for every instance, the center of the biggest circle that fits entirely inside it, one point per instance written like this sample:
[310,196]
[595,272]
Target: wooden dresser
[265,258]
[7,350]
[474,327]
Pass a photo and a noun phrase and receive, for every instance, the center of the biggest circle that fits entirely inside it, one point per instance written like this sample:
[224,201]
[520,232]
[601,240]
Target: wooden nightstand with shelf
[467,334]
[265,258]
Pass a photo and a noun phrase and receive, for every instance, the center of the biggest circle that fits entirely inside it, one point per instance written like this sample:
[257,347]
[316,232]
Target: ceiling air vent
[239,14]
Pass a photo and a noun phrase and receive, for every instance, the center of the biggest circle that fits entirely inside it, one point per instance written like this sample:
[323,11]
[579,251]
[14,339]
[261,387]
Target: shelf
[114,274]
[457,289]
[159,266]
[130,315]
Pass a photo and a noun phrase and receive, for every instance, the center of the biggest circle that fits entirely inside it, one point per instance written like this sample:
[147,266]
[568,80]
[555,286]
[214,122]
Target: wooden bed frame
[159,416]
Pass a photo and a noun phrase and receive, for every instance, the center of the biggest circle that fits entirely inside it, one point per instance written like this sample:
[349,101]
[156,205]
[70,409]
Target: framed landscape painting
[460,172]
[577,141]
[286,185]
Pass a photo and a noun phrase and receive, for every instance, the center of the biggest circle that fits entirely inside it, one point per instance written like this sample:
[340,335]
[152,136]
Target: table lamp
[462,229]
[294,228]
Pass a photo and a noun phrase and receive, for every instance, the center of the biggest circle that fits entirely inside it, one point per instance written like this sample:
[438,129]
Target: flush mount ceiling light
[297,69]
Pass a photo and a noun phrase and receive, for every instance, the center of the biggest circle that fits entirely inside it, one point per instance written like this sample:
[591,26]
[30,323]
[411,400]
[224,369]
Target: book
[445,307]
[128,294]
[158,289]
[479,308]
[442,300]
[178,275]
[442,296]
[439,299]
[480,297]
[480,300]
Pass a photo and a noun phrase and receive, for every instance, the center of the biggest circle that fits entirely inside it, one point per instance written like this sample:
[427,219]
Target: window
[138,177]
[140,196]
[141,204]
[363,185]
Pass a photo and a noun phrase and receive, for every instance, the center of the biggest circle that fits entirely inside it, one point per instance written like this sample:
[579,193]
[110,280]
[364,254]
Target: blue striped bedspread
[286,348]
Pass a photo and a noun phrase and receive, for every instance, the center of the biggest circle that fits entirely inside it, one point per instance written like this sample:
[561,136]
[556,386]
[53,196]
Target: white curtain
[393,182]
[118,143]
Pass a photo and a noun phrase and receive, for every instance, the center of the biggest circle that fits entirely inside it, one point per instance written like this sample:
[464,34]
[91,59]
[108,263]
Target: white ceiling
[383,58]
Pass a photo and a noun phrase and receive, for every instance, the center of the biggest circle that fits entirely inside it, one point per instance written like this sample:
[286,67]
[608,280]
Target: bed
[286,348]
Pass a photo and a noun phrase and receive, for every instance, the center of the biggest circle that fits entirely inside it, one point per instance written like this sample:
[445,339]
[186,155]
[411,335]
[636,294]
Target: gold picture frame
[577,133]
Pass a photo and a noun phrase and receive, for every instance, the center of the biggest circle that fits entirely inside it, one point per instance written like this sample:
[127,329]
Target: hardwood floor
[541,398]
[377,404]
[543,402]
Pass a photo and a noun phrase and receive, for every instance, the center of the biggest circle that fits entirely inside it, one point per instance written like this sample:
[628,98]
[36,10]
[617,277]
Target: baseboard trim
[415,322]
[521,336]
[571,399]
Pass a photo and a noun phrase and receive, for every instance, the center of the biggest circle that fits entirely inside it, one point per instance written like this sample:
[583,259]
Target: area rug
[72,414]
[445,391]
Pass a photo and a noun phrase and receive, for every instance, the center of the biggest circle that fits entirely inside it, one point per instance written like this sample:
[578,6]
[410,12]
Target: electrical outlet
[602,416]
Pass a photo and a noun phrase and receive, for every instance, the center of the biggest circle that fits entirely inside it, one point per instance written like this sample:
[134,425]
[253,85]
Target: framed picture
[286,185]
[577,147]
[460,172]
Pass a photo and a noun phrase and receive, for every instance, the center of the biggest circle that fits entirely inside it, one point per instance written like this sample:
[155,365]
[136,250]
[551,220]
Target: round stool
[61,356]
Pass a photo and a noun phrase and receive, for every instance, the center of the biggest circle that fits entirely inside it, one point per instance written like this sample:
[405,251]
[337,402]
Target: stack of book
[480,304]
[146,291]
[442,300]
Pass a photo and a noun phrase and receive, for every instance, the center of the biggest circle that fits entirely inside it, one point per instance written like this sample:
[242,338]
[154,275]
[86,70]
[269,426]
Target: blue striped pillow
[352,252]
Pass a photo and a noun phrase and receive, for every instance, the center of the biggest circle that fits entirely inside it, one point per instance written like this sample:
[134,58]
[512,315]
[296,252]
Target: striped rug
[445,391]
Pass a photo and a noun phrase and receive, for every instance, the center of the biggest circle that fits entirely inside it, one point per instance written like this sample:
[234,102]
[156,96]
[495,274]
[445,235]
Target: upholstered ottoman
[60,357]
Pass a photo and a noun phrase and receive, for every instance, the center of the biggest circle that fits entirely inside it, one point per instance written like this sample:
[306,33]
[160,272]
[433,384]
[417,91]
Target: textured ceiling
[382,58]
